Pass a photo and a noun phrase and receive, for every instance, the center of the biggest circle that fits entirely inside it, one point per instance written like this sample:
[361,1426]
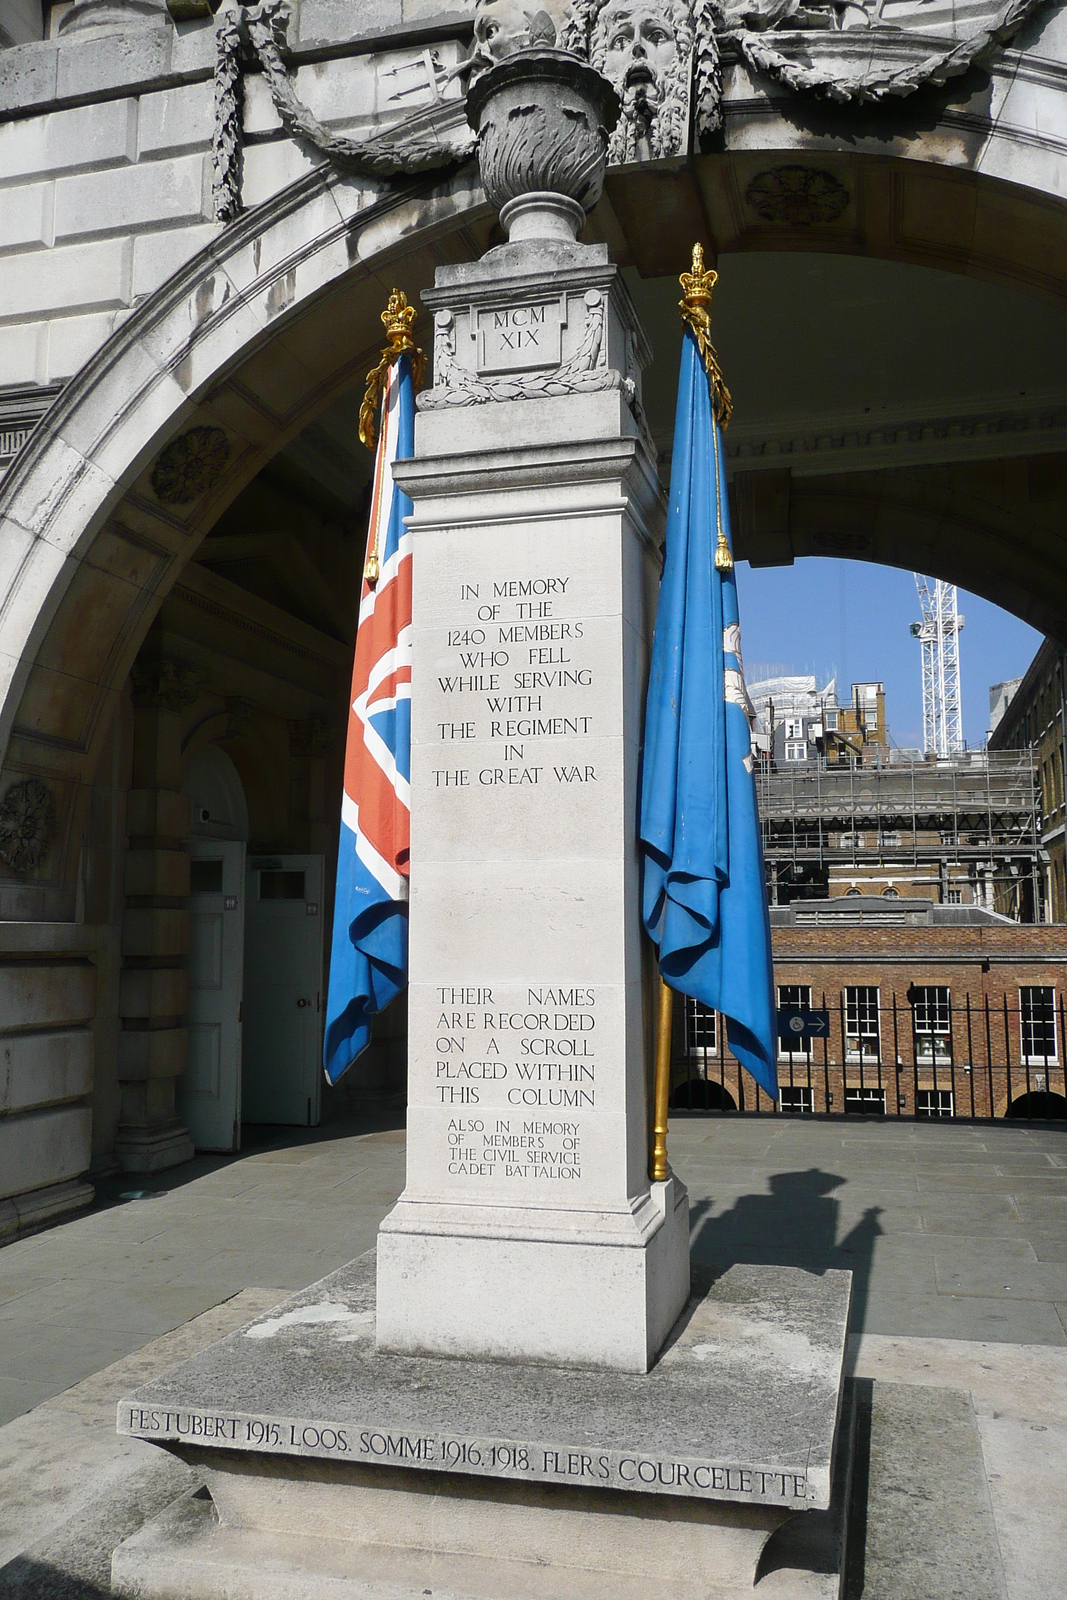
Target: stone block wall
[48,1007]
[105,156]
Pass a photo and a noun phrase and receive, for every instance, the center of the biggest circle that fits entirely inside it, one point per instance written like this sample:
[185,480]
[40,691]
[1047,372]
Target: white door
[283,990]
[210,1090]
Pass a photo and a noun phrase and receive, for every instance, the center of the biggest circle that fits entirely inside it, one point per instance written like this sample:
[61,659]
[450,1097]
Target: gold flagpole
[658,1167]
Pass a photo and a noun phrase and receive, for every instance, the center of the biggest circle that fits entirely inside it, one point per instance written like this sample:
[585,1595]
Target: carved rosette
[27,824]
[190,465]
[543,120]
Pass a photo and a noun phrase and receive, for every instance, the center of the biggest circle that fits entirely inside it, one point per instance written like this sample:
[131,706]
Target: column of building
[153,995]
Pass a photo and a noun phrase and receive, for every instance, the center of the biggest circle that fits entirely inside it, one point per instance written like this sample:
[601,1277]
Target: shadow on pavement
[796,1225]
[379,1114]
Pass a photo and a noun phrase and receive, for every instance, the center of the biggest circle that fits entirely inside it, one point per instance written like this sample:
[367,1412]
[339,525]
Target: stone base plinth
[616,1293]
[274,1530]
[153,1149]
[336,1469]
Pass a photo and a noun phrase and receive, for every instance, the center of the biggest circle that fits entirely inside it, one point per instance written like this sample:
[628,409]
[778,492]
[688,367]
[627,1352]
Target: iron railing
[983,1059]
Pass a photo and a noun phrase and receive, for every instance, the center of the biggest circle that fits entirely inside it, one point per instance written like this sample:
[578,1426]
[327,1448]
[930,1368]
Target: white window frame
[831,722]
[801,1100]
[860,1052]
[868,1093]
[928,1034]
[1029,1059]
[800,1051]
[939,1103]
[794,727]
[796,750]
[699,1018]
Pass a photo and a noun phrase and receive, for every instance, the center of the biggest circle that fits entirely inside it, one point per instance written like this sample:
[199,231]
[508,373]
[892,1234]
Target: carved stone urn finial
[543,120]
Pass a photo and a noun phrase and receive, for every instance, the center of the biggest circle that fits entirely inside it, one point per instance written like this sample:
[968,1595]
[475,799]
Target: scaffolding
[979,812]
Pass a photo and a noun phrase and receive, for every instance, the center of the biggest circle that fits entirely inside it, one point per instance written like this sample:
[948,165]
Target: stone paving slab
[816,1194]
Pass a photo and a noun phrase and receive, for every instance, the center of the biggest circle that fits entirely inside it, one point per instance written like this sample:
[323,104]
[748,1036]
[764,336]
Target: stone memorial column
[528,1227]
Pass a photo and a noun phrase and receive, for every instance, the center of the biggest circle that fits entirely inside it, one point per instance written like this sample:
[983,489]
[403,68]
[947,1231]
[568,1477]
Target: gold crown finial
[397,318]
[694,305]
[699,283]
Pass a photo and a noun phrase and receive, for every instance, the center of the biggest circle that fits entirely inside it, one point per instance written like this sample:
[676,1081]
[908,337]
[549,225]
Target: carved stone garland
[873,82]
[261,32]
[788,55]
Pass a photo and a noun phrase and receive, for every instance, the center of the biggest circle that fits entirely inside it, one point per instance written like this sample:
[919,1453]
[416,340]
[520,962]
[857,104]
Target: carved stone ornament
[662,56]
[190,465]
[850,50]
[163,684]
[543,121]
[583,373]
[27,824]
[645,49]
[800,196]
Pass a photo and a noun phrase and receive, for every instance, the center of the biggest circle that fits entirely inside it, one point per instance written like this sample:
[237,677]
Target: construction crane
[939,635]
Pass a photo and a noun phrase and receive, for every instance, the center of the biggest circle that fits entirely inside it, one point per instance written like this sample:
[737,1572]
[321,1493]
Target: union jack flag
[369,958]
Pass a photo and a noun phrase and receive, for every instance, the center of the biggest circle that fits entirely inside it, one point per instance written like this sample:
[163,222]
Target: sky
[852,618]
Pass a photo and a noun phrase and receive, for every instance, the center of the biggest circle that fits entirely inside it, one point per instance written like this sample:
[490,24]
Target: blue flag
[705,896]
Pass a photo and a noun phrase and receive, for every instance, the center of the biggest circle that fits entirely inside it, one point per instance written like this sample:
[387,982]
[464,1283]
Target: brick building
[932,1011]
[1033,720]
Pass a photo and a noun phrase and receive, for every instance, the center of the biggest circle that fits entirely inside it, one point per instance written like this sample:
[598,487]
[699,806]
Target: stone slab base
[742,1405]
[25,1213]
[273,1529]
[148,1151]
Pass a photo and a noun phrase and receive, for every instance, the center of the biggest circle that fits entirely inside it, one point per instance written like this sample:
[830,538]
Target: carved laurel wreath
[27,824]
[458,386]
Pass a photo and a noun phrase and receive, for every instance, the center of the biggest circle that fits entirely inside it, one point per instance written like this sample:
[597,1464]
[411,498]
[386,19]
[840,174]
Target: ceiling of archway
[884,411]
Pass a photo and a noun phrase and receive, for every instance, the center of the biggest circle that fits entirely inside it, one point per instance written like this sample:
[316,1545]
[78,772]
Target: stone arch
[241,348]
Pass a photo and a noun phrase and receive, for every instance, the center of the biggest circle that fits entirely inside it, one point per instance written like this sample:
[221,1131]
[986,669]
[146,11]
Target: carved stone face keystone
[640,47]
[644,49]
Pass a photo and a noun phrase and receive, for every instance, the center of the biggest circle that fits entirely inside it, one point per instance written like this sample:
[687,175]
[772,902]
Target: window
[794,727]
[931,1015]
[861,1024]
[796,996]
[1037,1018]
[797,1101]
[934,1103]
[796,750]
[205,876]
[954,897]
[869,1102]
[831,722]
[701,1029]
[280,885]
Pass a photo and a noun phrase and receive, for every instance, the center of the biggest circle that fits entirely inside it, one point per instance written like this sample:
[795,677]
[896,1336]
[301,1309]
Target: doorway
[209,1092]
[283,990]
